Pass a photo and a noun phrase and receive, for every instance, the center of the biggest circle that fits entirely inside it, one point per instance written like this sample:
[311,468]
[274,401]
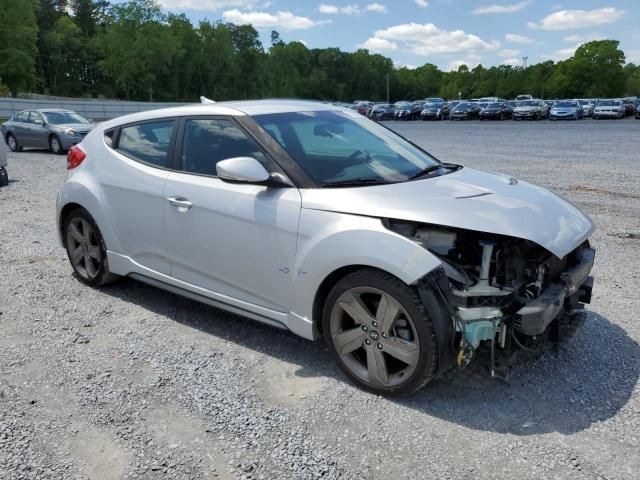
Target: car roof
[232,108]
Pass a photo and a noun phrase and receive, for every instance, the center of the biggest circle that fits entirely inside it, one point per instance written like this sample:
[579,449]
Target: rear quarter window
[147,142]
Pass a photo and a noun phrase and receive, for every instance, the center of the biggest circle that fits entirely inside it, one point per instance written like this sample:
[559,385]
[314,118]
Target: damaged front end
[502,294]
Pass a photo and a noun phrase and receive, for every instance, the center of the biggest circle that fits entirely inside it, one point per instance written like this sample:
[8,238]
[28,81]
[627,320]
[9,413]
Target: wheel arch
[327,284]
[83,192]
[332,245]
[64,214]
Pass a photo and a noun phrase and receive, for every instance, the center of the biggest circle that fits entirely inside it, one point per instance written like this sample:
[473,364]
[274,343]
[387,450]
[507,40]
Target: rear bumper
[535,317]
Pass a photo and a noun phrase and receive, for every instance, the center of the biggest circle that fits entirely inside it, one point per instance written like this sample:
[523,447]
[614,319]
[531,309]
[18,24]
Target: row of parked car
[494,108]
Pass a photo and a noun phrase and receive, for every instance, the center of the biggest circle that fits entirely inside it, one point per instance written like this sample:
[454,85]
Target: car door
[38,132]
[234,240]
[21,128]
[133,182]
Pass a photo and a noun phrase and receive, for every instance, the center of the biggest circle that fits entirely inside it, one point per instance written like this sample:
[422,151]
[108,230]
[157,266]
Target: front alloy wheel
[379,333]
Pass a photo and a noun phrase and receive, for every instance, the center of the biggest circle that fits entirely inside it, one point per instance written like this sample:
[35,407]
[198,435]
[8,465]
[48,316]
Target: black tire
[55,146]
[13,144]
[425,354]
[4,177]
[92,239]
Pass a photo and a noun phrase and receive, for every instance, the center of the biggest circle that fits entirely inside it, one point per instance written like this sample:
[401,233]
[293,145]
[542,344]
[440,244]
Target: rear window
[147,142]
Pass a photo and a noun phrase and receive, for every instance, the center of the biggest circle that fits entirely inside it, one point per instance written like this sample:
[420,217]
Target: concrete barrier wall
[97,110]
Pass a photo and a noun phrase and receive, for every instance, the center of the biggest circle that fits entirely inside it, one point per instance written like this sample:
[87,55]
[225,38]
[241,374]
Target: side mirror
[242,170]
[40,122]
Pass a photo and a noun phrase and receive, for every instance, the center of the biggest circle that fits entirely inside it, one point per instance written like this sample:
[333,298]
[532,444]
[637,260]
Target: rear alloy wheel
[13,143]
[86,249]
[379,333]
[55,146]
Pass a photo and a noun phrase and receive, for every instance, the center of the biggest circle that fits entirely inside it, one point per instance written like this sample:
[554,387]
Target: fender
[326,244]
[83,190]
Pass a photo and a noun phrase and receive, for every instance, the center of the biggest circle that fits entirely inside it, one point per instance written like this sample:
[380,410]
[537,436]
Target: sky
[447,33]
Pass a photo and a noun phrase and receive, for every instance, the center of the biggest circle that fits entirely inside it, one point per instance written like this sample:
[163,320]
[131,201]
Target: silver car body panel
[468,199]
[264,252]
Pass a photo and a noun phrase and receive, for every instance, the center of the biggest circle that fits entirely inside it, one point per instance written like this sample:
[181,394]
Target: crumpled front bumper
[535,317]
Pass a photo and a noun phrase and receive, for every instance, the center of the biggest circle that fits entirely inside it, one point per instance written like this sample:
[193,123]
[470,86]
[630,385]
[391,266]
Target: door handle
[182,203]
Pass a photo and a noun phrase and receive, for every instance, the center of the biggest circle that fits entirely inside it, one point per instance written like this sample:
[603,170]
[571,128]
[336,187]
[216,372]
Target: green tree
[596,69]
[66,49]
[18,48]
[632,82]
[137,48]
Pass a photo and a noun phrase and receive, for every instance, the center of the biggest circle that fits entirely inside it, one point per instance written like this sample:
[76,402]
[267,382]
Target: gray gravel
[132,382]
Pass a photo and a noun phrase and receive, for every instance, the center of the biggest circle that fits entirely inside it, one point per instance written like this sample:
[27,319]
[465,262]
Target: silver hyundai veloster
[312,218]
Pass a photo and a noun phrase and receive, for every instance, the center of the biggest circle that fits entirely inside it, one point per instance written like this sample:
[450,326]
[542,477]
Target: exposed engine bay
[505,293]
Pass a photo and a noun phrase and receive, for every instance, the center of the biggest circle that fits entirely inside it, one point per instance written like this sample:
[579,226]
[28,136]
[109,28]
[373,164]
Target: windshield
[62,118]
[335,147]
[462,107]
[609,103]
[494,105]
[565,104]
[529,103]
[585,102]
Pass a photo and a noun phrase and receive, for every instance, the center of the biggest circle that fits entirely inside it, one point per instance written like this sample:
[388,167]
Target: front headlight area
[491,277]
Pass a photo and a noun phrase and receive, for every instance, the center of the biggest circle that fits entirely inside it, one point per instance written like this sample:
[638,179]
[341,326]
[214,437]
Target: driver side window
[209,141]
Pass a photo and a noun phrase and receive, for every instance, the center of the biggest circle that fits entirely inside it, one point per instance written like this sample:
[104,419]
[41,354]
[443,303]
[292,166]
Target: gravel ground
[132,382]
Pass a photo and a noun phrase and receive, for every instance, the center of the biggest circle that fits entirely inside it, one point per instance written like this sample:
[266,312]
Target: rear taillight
[75,156]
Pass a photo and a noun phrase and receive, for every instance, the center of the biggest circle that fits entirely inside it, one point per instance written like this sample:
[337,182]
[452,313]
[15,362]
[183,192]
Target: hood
[526,108]
[467,199]
[78,127]
[564,109]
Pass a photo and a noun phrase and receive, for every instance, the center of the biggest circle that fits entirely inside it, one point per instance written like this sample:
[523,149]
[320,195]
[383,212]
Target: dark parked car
[416,109]
[402,111]
[435,110]
[364,107]
[629,107]
[495,111]
[382,112]
[57,130]
[465,111]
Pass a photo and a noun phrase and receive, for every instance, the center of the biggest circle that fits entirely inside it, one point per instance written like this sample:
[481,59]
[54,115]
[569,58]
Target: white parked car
[609,108]
[313,218]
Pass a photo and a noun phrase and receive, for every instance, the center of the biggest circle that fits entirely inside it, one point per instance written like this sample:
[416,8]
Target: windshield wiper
[426,171]
[356,182]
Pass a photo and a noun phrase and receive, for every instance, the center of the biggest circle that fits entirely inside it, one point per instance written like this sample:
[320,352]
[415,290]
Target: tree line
[134,51]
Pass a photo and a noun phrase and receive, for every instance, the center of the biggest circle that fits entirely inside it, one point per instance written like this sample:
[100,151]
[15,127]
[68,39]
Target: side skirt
[209,301]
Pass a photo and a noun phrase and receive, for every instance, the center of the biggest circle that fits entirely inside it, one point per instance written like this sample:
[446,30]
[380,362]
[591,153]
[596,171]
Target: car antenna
[205,100]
